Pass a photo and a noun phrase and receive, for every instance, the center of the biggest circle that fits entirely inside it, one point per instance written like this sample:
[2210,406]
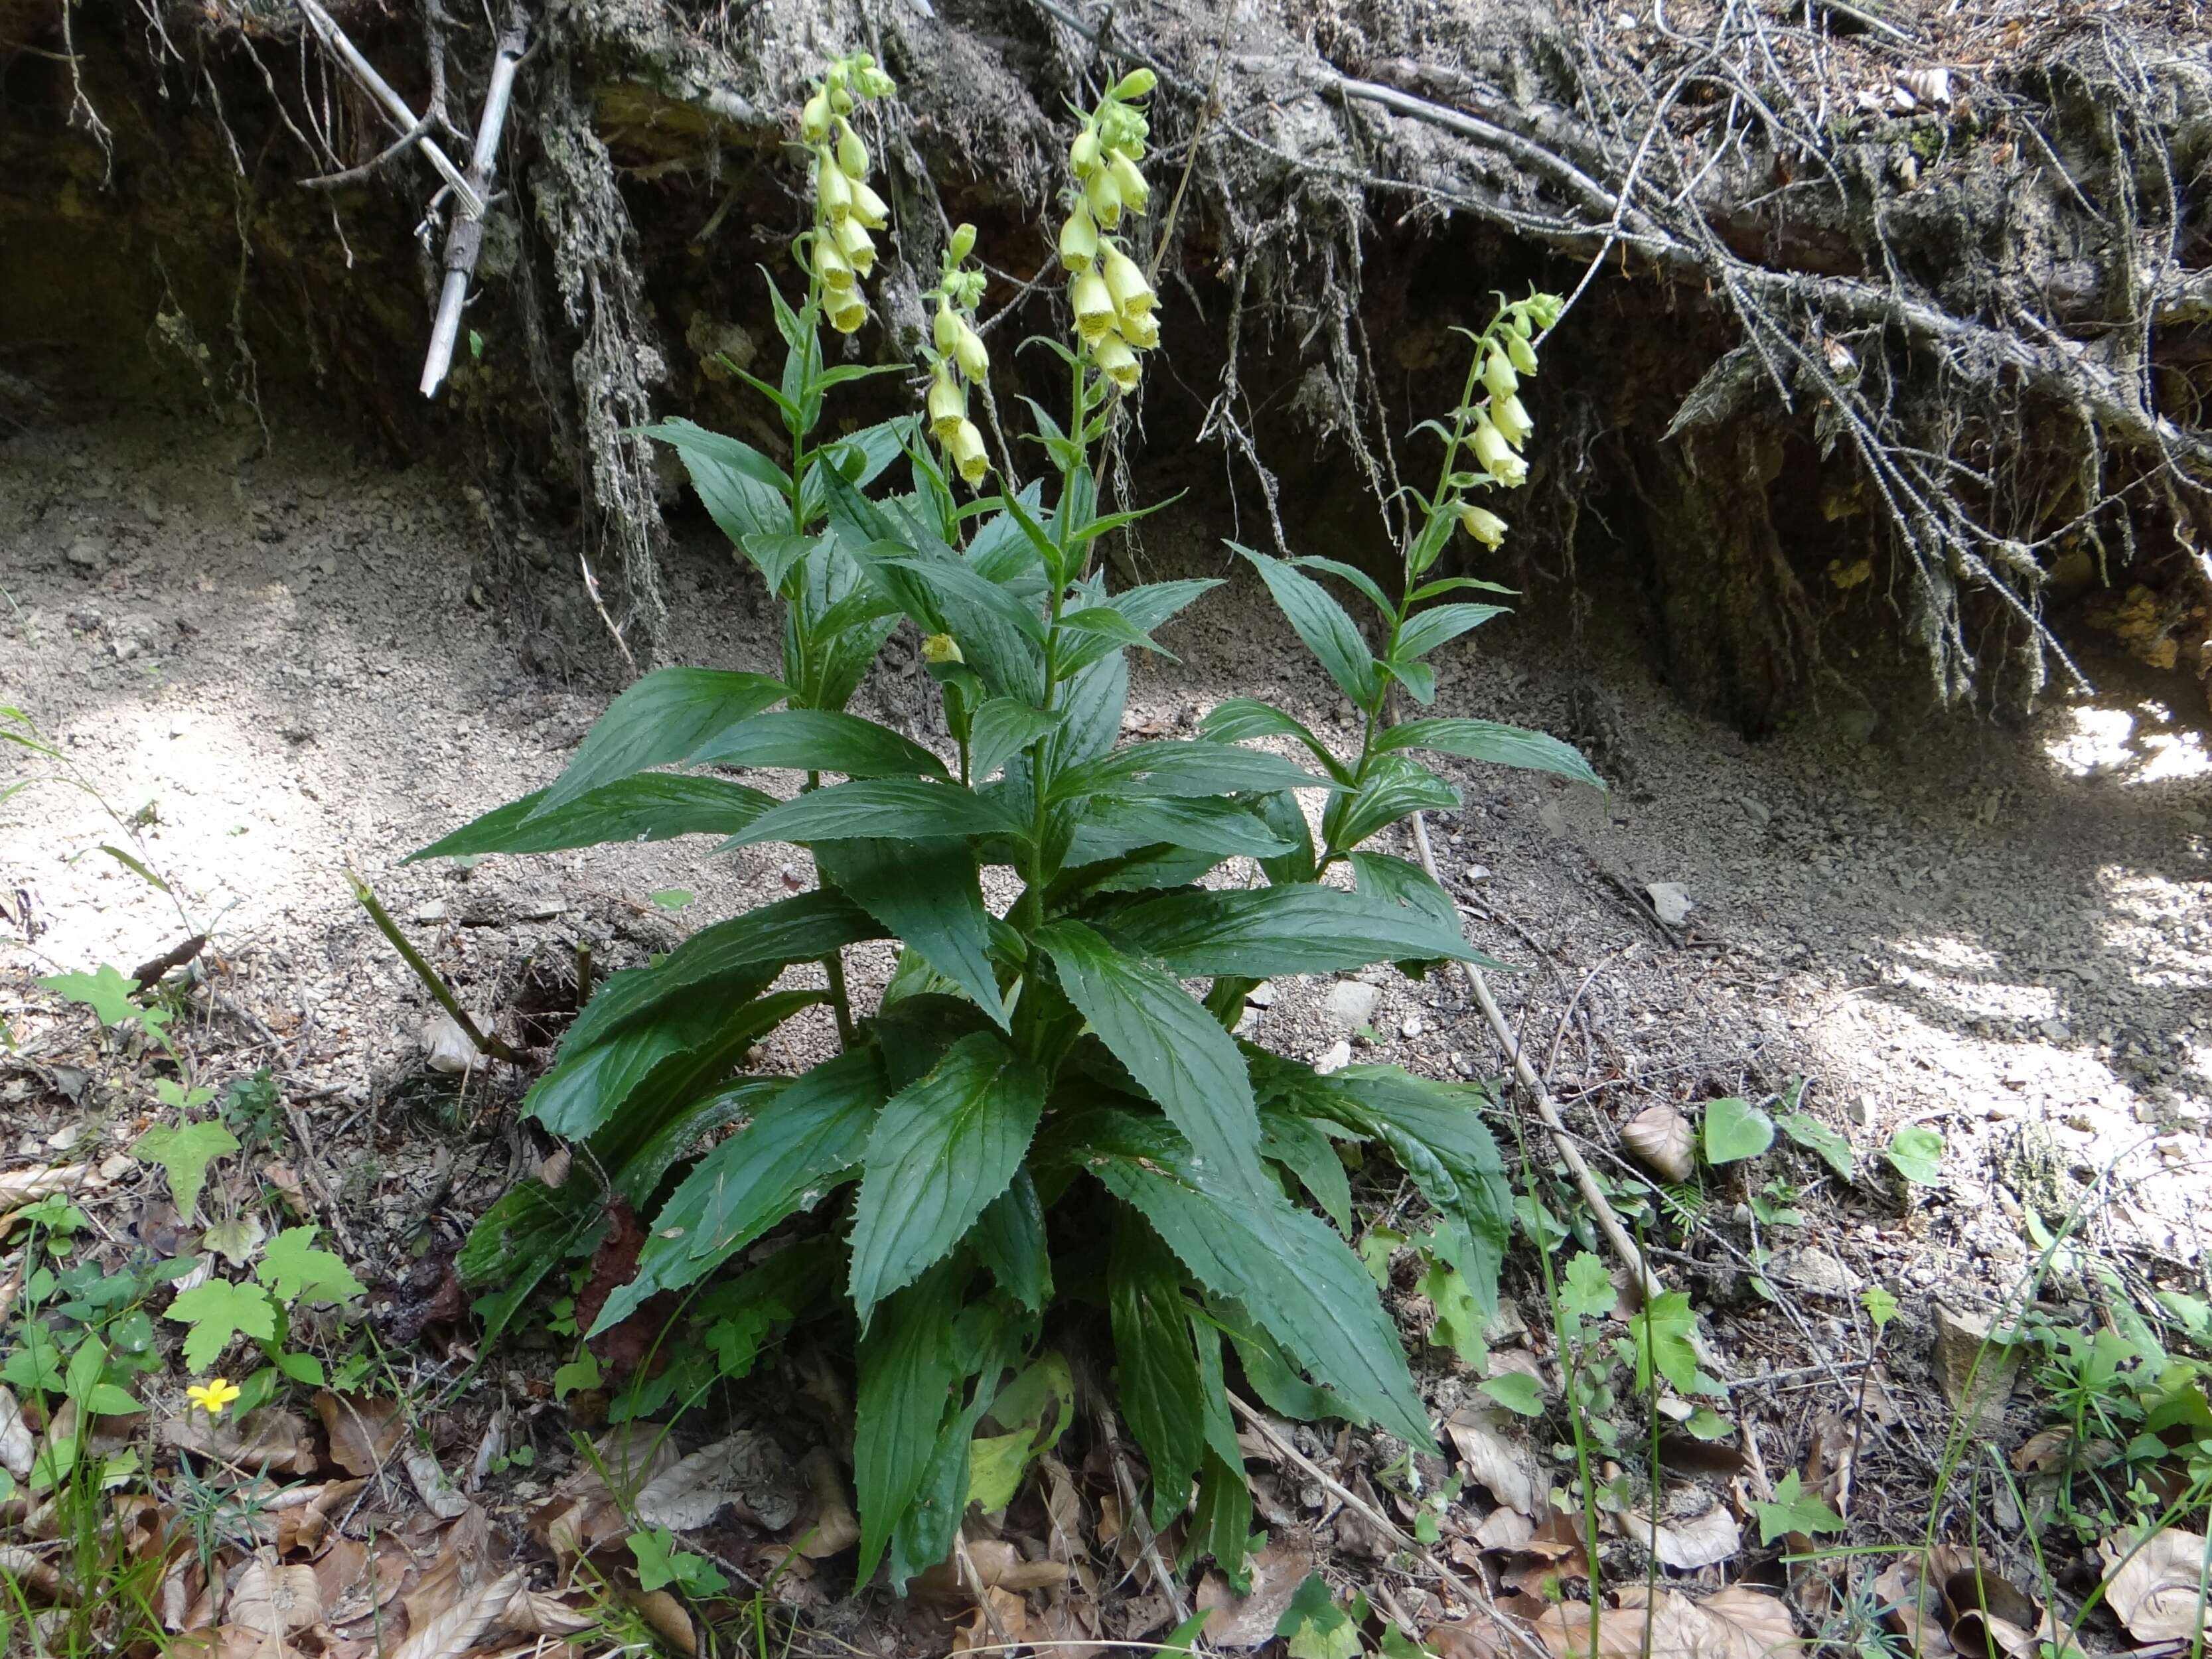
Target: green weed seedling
[1033,1109]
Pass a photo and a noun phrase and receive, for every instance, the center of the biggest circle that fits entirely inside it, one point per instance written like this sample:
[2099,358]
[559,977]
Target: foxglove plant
[1036,1116]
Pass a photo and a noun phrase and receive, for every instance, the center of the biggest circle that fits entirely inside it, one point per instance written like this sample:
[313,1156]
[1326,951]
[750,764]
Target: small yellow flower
[969,352]
[940,648]
[1499,375]
[1142,332]
[1125,280]
[1094,305]
[1117,362]
[1497,458]
[1512,420]
[967,450]
[212,1396]
[1078,239]
[1104,196]
[868,207]
[1482,524]
[1524,356]
[948,406]
[1129,184]
[846,310]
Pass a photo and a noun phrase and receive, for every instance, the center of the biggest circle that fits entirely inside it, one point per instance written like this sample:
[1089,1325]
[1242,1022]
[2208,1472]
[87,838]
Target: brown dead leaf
[436,1489]
[286,1180]
[1250,1621]
[1001,1566]
[273,1601]
[1704,1542]
[1967,1358]
[22,1186]
[1497,1459]
[1554,1554]
[35,1573]
[1737,1623]
[1505,1529]
[746,1471]
[2156,1591]
[582,1513]
[1660,1138]
[533,1613]
[17,1446]
[1910,1589]
[462,1624]
[364,1430]
[1003,1617]
[271,1439]
[669,1622]
[832,1526]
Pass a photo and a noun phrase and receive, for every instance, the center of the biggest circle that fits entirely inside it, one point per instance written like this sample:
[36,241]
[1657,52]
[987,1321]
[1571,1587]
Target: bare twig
[403,118]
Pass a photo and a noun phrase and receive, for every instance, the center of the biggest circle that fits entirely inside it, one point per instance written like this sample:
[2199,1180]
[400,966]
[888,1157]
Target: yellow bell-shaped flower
[1094,305]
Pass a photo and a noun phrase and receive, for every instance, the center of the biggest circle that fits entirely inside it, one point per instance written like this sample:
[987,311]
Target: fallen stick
[395,108]
[146,973]
[465,237]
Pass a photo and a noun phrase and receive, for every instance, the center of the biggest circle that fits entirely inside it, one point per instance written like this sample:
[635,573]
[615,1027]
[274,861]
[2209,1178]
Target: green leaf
[1036,1407]
[1010,1238]
[1439,625]
[885,809]
[1794,1510]
[1880,1306]
[660,1564]
[746,492]
[651,807]
[1177,1051]
[1395,787]
[1833,1147]
[651,1068]
[928,893]
[1157,1378]
[664,719]
[908,1366]
[528,1231]
[217,1310]
[1332,637]
[1313,1627]
[820,740]
[800,1144]
[1258,933]
[1294,1142]
[1289,1269]
[1241,718]
[942,1149]
[1736,1130]
[1183,768]
[1517,1391]
[986,1343]
[1661,1334]
[724,958]
[105,992]
[1586,1289]
[1111,827]
[184,1154]
[296,1271]
[578,1375]
[1358,578]
[1487,740]
[1916,1152]
[1003,728]
[1221,1524]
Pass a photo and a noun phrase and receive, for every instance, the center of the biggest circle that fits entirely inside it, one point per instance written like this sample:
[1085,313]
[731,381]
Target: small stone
[1247,1022]
[1410,1027]
[1863,1111]
[1261,995]
[540,907]
[1757,811]
[450,1051]
[1463,1066]
[1670,902]
[1352,1002]
[86,554]
[1476,872]
[1823,1273]
[1338,1057]
[2056,1030]
[434,911]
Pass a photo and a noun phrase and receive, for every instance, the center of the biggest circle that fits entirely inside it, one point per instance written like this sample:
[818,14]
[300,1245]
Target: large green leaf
[820,740]
[652,1068]
[1156,1373]
[745,492]
[1257,933]
[529,1231]
[1427,629]
[1111,826]
[1178,767]
[987,1342]
[943,1149]
[884,809]
[718,959]
[1332,637]
[908,1365]
[1011,1239]
[1238,719]
[1095,700]
[637,1154]
[1395,787]
[1306,1151]
[801,1143]
[1177,1051]
[1002,729]
[650,806]
[1286,1266]
[1487,740]
[1434,1131]
[929,894]
[664,719]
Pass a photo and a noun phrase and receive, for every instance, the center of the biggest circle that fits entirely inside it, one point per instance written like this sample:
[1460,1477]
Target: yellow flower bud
[1482,524]
[814,118]
[963,243]
[967,450]
[1512,420]
[940,648]
[855,244]
[1083,153]
[1135,84]
[1117,362]
[833,191]
[846,310]
[831,265]
[1135,193]
[1078,238]
[1104,195]
[867,207]
[1094,305]
[944,329]
[1142,331]
[1497,458]
[948,406]
[975,361]
[1125,280]
[1498,374]
[1522,354]
[840,99]
[852,154]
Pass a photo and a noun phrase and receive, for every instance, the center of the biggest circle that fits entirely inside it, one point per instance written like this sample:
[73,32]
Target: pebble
[2056,1030]
[1410,1027]
[1353,1002]
[1476,872]
[86,554]
[1670,901]
[1338,1057]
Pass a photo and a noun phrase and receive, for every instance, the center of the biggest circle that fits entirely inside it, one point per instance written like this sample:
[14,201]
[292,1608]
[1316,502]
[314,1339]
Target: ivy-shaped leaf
[1794,1510]
[1661,1334]
[105,991]
[1313,1627]
[1833,1147]
[297,1272]
[1587,1291]
[184,1154]
[1916,1152]
[218,1311]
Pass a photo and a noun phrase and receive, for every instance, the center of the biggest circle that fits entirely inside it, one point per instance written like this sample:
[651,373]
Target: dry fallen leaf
[1553,1554]
[271,1439]
[21,1186]
[669,1622]
[2157,1591]
[272,1601]
[746,1471]
[533,1613]
[463,1625]
[1911,1589]
[1704,1542]
[17,1445]
[35,1573]
[832,1526]
[1661,1139]
[1737,1623]
[1966,1357]
[1249,1621]
[1505,1529]
[1003,1617]
[439,1494]
[1500,1462]
[364,1430]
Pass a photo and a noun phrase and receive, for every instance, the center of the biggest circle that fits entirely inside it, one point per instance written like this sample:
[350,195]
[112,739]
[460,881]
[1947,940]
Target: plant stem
[436,985]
